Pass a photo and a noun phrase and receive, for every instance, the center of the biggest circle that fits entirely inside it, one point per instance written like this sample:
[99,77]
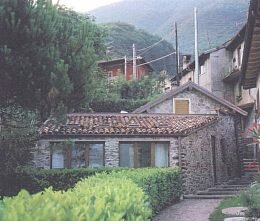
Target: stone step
[240,183]
[226,189]
[206,196]
[217,192]
[232,186]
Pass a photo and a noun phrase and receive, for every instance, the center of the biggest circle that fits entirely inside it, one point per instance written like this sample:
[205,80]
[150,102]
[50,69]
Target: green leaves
[93,199]
[45,47]
[124,194]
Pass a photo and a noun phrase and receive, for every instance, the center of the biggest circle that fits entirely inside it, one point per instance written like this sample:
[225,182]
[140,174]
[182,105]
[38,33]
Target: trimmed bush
[163,186]
[132,194]
[36,180]
[94,199]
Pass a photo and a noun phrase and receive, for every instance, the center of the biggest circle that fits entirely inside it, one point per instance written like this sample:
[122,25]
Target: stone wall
[42,155]
[42,152]
[199,103]
[197,156]
[112,152]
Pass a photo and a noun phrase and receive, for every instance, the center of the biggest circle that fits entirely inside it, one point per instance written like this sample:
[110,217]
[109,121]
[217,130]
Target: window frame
[152,151]
[68,153]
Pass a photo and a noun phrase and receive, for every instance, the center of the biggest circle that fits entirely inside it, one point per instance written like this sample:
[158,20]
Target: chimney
[185,60]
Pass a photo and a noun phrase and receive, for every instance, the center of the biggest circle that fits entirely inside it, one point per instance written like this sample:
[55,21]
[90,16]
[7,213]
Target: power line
[156,59]
[151,46]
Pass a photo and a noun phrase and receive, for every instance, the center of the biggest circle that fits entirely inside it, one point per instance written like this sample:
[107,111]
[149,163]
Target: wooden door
[214,162]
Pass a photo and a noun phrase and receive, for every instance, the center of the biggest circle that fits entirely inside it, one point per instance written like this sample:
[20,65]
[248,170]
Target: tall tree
[47,55]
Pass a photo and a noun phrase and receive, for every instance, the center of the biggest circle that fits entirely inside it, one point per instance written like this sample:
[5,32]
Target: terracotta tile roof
[251,54]
[126,124]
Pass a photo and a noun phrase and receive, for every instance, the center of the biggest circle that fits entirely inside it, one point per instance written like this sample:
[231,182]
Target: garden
[92,194]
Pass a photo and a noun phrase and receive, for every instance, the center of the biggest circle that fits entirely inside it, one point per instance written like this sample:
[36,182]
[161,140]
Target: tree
[120,94]
[47,65]
[17,138]
[48,56]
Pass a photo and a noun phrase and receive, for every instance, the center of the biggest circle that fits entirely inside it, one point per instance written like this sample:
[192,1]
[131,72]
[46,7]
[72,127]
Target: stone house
[189,127]
[222,70]
[214,65]
[250,70]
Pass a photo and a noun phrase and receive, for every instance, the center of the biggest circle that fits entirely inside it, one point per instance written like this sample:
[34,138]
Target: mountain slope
[218,20]
[121,37]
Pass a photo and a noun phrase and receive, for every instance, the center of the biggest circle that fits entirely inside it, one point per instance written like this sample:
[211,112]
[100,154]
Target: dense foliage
[251,199]
[94,199]
[48,56]
[120,39]
[17,138]
[163,186]
[124,195]
[36,180]
[121,94]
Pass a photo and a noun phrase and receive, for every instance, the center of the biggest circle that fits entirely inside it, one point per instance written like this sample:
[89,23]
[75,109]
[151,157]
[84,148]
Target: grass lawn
[217,215]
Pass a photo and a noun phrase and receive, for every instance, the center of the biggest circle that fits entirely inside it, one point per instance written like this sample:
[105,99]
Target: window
[79,155]
[239,56]
[203,69]
[181,106]
[144,154]
[57,159]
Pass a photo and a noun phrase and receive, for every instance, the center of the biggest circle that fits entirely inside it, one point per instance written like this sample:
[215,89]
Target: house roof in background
[251,55]
[237,39]
[231,45]
[82,124]
[202,58]
[190,85]
[139,60]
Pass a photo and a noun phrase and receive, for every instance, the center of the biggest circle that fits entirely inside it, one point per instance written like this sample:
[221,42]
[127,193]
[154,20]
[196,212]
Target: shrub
[251,199]
[94,199]
[121,195]
[163,186]
[35,180]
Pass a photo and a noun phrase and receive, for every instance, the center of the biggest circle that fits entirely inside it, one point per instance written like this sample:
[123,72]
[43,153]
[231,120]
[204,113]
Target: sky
[86,5]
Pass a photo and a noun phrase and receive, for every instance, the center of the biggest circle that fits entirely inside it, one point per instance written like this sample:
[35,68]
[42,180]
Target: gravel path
[188,210]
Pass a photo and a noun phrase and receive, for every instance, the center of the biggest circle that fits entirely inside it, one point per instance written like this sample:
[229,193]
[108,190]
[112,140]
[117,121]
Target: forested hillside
[121,36]
[218,20]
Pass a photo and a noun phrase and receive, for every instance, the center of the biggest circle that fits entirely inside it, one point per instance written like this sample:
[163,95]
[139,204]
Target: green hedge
[120,195]
[36,180]
[163,186]
[94,199]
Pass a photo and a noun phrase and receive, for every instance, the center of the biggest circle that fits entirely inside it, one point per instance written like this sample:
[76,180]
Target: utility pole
[177,55]
[125,67]
[179,66]
[196,74]
[134,63]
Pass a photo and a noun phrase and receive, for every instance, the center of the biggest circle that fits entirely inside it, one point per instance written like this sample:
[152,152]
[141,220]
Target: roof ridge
[135,114]
[197,87]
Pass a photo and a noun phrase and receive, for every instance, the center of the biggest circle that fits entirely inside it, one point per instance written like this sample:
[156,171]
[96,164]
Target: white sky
[85,5]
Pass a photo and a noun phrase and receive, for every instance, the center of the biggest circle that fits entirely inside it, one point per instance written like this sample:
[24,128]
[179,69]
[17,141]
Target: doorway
[214,162]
